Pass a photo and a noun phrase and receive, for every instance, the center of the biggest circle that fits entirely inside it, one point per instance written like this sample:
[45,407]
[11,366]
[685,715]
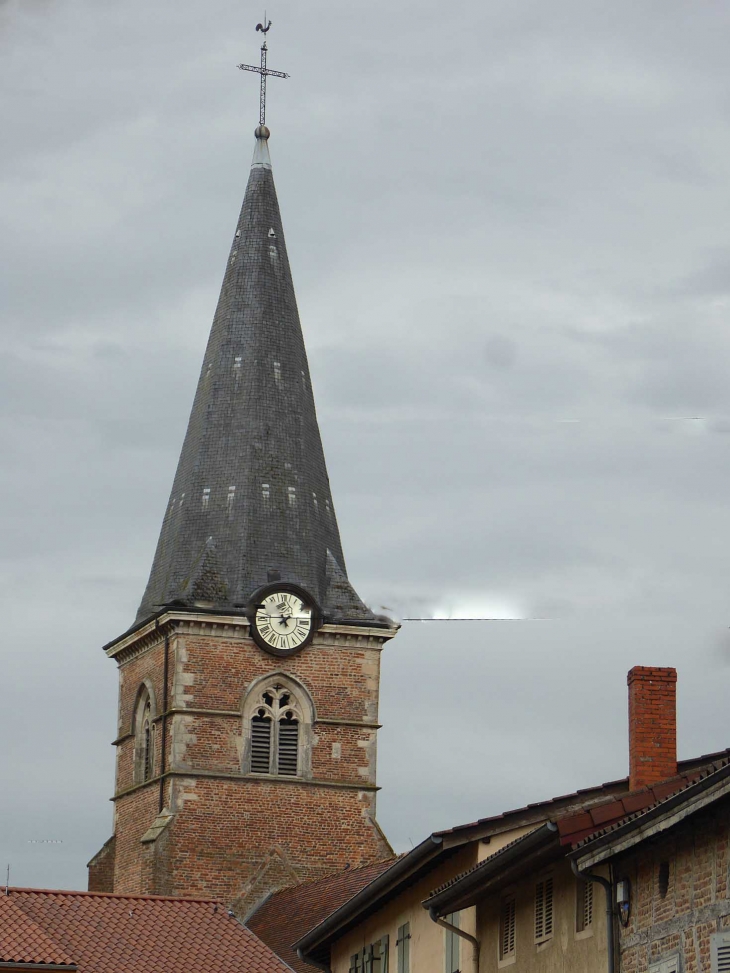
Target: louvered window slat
[583,906]
[508,914]
[543,910]
[720,952]
[288,747]
[261,745]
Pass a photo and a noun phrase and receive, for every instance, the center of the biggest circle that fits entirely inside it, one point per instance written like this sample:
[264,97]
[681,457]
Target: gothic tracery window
[277,721]
[144,732]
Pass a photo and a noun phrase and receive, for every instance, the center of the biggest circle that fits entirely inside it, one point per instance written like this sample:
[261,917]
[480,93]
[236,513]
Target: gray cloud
[493,230]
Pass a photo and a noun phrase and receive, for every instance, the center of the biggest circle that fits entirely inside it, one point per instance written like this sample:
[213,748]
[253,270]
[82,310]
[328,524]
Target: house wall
[567,952]
[427,938]
[695,905]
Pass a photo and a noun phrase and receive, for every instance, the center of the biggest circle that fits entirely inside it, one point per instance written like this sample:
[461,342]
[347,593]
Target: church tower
[248,685]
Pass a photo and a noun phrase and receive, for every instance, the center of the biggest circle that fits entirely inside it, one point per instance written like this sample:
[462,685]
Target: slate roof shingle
[251,495]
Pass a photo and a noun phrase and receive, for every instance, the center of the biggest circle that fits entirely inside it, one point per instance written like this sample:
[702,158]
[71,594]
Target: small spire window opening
[144,732]
[583,906]
[544,910]
[275,733]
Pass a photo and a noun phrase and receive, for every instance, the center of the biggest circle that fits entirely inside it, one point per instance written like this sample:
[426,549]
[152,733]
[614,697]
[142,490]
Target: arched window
[144,733]
[277,724]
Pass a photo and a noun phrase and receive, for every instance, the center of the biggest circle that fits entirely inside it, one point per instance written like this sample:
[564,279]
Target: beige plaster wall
[427,938]
[567,951]
[490,846]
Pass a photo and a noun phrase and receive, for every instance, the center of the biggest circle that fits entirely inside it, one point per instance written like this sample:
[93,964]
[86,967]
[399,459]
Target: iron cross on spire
[263,70]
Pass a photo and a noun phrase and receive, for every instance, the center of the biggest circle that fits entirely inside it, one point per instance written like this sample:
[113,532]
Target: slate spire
[251,500]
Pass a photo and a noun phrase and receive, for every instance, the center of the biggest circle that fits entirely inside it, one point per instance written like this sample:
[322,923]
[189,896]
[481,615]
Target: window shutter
[261,745]
[403,944]
[384,951]
[507,928]
[543,910]
[583,905]
[355,963]
[288,756]
[367,959]
[548,908]
[451,945]
[720,952]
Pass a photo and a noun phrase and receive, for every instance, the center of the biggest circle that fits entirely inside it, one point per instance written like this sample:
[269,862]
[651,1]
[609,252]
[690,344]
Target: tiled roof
[287,915]
[574,828]
[599,794]
[23,941]
[102,933]
[710,771]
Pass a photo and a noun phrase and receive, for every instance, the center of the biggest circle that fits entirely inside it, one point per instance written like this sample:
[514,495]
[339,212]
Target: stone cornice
[140,640]
[249,779]
[234,714]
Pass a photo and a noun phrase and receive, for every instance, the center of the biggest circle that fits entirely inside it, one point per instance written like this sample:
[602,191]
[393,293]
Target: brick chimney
[652,725]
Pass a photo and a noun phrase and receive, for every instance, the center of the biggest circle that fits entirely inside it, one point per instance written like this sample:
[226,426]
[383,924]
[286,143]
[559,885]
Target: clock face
[283,622]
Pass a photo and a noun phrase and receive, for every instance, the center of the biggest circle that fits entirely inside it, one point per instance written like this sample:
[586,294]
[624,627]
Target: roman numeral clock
[283,619]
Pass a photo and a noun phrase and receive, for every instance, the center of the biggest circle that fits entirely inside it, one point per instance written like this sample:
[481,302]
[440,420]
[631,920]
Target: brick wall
[680,915]
[233,835]
[652,725]
[101,868]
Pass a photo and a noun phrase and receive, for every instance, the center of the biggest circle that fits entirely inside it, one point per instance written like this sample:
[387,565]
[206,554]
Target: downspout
[608,889]
[163,733]
[459,932]
[305,958]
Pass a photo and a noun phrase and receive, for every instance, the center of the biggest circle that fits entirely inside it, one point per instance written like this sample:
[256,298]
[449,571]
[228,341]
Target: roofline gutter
[459,932]
[441,903]
[399,869]
[305,958]
[608,889]
[8,965]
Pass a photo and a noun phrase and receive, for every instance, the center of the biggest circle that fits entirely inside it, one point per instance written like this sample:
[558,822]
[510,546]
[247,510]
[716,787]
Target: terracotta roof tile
[574,828]
[104,933]
[287,915]
[23,941]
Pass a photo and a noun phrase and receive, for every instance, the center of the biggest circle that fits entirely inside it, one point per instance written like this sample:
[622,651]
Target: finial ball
[262,132]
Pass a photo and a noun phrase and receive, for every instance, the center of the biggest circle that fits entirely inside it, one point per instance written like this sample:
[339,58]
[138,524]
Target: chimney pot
[652,725]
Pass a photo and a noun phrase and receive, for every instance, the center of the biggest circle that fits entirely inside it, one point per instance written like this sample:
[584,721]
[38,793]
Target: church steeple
[248,689]
[251,499]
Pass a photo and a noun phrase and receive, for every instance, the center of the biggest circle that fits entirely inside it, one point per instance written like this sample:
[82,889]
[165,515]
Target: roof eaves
[385,883]
[636,827]
[469,883]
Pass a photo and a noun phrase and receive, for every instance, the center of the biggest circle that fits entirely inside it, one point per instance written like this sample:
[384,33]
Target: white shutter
[507,928]
[543,910]
[720,952]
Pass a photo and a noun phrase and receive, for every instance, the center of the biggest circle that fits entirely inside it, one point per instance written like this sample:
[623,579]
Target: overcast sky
[508,224]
